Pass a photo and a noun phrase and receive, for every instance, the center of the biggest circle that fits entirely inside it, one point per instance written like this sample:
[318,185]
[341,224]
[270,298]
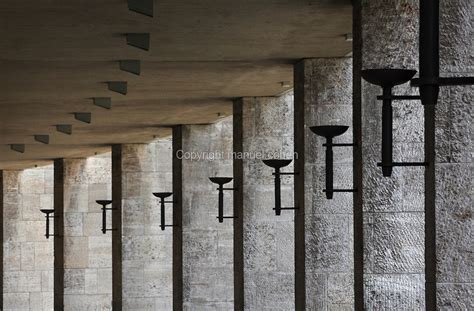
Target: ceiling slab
[57,56]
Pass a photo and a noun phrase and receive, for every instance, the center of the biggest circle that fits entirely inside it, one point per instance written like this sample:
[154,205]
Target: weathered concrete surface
[207,244]
[146,250]
[393,207]
[266,126]
[87,252]
[28,255]
[454,161]
[325,98]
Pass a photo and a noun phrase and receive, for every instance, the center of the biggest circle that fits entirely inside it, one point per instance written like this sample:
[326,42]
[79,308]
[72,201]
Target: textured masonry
[207,244]
[266,130]
[27,254]
[393,207]
[143,269]
[87,252]
[324,97]
[453,171]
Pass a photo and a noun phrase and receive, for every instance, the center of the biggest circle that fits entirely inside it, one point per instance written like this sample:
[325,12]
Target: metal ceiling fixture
[139,40]
[104,102]
[104,204]
[428,81]
[163,196]
[329,132]
[64,128]
[118,87]
[48,214]
[277,165]
[18,148]
[44,139]
[85,117]
[221,181]
[144,7]
[131,66]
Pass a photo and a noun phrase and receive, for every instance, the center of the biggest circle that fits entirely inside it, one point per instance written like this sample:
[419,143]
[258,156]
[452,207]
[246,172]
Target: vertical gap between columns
[430,209]
[239,299]
[177,220]
[117,178]
[59,234]
[300,251]
[358,222]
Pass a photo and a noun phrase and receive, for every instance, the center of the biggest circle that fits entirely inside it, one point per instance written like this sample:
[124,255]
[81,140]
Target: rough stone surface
[393,207]
[207,244]
[326,100]
[454,168]
[28,255]
[87,251]
[146,249]
[268,240]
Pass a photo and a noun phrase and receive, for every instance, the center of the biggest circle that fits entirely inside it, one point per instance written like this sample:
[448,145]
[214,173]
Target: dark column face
[239,297]
[117,223]
[178,220]
[59,232]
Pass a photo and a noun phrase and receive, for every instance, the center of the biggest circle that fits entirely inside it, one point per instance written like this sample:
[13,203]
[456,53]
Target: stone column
[87,251]
[207,250]
[450,185]
[264,129]
[393,207]
[323,96]
[142,251]
[27,254]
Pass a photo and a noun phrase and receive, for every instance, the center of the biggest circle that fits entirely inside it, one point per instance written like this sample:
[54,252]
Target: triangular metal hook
[44,139]
[85,117]
[144,7]
[104,102]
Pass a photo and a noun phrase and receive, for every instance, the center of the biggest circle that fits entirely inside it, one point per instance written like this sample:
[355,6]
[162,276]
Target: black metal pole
[387,133]
[429,51]
[47,226]
[221,203]
[104,219]
[162,207]
[277,192]
[329,169]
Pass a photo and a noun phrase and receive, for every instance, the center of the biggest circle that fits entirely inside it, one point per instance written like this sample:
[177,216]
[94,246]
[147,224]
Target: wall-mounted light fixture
[429,80]
[221,181]
[277,165]
[329,132]
[48,214]
[104,204]
[163,196]
[387,79]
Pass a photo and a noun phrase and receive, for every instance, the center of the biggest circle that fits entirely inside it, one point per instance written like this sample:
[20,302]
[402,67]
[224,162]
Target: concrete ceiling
[58,54]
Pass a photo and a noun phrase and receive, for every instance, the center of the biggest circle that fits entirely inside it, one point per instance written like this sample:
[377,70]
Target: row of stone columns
[375,249]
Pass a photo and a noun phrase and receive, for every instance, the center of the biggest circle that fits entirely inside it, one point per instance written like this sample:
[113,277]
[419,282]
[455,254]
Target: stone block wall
[87,251]
[268,240]
[325,98]
[146,263]
[453,186]
[393,207]
[27,254]
[207,244]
